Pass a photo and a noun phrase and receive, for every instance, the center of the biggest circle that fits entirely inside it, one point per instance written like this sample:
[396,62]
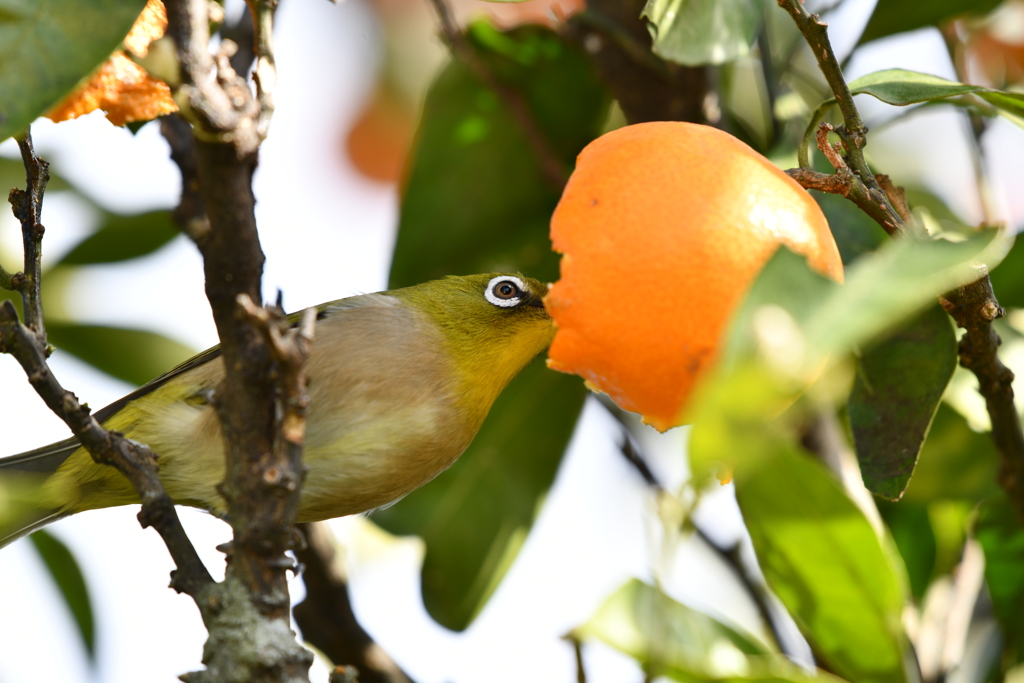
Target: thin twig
[262,435]
[326,617]
[135,461]
[555,172]
[265,74]
[28,209]
[756,589]
[845,182]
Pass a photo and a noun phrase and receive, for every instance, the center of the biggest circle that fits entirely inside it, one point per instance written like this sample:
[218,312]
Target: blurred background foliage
[881,589]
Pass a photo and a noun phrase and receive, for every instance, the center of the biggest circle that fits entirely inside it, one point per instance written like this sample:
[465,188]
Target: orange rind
[662,228]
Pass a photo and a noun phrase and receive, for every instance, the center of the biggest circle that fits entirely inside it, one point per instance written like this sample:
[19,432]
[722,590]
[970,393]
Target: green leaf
[475,516]
[825,563]
[66,573]
[898,388]
[901,87]
[894,282]
[1008,278]
[855,232]
[120,238]
[955,462]
[911,529]
[48,46]
[670,639]
[135,356]
[897,16]
[999,531]
[476,200]
[695,32]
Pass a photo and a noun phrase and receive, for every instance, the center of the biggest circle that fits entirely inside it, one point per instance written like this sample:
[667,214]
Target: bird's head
[494,323]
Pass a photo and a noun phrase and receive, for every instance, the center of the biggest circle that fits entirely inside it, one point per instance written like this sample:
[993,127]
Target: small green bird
[399,383]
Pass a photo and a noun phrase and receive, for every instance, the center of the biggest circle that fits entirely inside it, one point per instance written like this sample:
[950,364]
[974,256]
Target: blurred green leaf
[855,232]
[999,531]
[695,32]
[475,516]
[894,282]
[66,573]
[48,46]
[670,639]
[476,200]
[911,529]
[135,356]
[956,462]
[898,388]
[120,238]
[1008,277]
[897,16]
[824,561]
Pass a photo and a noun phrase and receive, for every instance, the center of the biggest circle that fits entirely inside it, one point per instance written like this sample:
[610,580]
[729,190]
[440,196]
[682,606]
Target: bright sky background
[327,233]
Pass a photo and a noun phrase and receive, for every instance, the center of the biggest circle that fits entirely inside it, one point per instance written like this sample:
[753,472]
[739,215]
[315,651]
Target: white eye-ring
[505,291]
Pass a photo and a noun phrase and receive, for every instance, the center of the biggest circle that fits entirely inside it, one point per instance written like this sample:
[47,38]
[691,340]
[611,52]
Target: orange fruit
[663,227]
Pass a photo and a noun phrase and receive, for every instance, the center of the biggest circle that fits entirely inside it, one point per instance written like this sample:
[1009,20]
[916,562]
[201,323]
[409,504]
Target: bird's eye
[505,291]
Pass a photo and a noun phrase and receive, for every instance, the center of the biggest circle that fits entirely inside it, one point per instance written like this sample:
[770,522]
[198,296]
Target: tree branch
[135,461]
[873,202]
[28,208]
[326,617]
[261,404]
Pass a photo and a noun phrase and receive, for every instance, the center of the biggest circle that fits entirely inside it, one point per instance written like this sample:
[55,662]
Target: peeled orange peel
[663,227]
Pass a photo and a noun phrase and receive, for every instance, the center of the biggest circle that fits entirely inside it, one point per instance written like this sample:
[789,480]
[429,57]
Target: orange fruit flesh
[663,227]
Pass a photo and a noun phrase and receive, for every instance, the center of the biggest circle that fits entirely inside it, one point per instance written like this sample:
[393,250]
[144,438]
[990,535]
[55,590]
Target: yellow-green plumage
[399,384]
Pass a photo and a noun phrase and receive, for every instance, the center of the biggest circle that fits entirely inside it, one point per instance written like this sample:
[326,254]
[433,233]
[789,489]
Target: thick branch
[555,172]
[261,404]
[974,307]
[326,616]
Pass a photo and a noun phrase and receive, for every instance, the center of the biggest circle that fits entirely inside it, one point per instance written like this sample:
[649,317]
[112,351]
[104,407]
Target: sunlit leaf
[477,200]
[670,639]
[66,573]
[901,87]
[897,16]
[124,237]
[695,32]
[899,384]
[999,531]
[825,562]
[135,356]
[48,46]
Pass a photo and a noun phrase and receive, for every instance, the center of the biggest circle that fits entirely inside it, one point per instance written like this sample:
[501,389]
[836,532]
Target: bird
[399,383]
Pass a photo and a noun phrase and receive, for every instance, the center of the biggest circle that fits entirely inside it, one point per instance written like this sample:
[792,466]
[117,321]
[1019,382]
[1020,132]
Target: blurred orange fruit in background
[663,227]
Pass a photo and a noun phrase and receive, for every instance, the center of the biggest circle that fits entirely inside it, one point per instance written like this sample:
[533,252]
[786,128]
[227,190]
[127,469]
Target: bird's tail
[24,506]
